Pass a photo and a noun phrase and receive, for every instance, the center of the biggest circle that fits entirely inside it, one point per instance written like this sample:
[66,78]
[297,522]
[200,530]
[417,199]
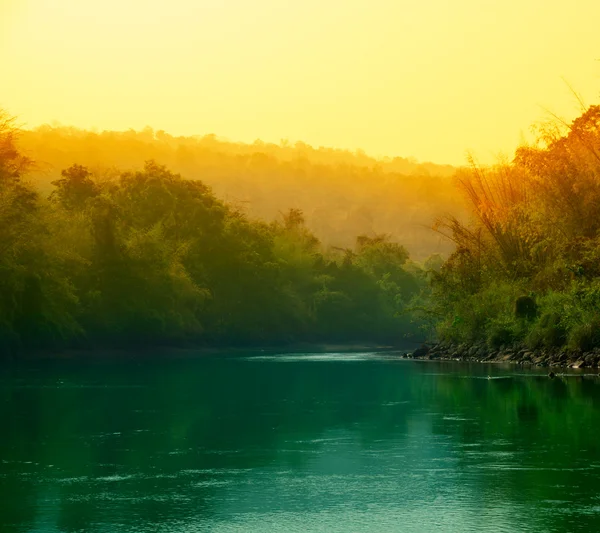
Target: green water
[331,443]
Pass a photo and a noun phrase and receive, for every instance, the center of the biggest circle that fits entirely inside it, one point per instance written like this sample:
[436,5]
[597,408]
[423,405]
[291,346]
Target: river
[296,443]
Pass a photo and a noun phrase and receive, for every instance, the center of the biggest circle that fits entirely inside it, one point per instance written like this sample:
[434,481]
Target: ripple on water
[501,466]
[318,357]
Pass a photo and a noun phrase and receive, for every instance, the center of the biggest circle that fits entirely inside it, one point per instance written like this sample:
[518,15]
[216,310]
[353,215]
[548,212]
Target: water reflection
[300,443]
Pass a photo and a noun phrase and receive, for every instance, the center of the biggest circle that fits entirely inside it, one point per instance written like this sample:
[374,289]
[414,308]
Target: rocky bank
[515,353]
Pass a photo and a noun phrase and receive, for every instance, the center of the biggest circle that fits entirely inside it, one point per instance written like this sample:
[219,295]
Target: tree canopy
[147,256]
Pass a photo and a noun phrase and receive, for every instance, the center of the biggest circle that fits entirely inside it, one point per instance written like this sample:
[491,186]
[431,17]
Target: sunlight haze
[429,80]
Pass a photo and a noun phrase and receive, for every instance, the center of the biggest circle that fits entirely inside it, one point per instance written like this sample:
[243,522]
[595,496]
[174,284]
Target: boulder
[422,351]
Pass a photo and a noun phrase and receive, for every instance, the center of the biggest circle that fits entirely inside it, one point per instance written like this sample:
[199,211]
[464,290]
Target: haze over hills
[204,331]
[341,193]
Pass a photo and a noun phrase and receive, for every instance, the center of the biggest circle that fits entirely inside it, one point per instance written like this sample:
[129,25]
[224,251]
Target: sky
[430,79]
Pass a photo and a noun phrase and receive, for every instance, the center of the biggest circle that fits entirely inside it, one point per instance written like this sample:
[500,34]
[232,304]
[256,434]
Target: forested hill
[342,194]
[149,257]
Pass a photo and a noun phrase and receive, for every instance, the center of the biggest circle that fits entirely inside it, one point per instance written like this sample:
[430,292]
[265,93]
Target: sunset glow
[429,80]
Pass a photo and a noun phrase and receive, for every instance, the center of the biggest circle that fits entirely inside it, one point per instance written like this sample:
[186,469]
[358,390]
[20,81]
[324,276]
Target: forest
[144,256]
[342,194]
[141,238]
[526,269]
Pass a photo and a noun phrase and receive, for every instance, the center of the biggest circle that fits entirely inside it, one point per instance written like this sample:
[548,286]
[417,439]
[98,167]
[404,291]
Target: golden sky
[429,79]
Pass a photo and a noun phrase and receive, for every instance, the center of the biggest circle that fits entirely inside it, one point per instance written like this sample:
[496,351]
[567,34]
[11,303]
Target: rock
[422,351]
[510,354]
[578,364]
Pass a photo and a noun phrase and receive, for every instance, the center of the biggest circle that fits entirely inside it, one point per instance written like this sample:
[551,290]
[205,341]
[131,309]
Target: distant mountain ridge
[341,193]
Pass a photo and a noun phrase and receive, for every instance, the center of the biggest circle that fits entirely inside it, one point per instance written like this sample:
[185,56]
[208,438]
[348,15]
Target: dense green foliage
[527,269]
[149,257]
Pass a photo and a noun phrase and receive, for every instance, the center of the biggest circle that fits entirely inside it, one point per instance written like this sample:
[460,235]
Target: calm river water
[296,443]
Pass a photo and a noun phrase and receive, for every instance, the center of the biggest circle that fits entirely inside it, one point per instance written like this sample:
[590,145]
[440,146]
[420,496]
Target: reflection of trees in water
[143,425]
[537,434]
[186,412]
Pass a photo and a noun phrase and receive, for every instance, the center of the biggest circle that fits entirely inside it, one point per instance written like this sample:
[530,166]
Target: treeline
[342,194]
[527,269]
[148,257]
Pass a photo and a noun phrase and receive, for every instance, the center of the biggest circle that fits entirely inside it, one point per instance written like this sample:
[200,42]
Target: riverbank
[515,353]
[191,351]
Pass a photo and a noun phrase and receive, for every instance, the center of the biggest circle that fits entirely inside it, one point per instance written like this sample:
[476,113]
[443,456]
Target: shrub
[586,335]
[525,307]
[500,333]
[548,332]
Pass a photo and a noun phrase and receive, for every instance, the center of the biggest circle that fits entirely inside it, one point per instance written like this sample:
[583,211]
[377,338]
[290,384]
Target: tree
[75,188]
[12,163]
